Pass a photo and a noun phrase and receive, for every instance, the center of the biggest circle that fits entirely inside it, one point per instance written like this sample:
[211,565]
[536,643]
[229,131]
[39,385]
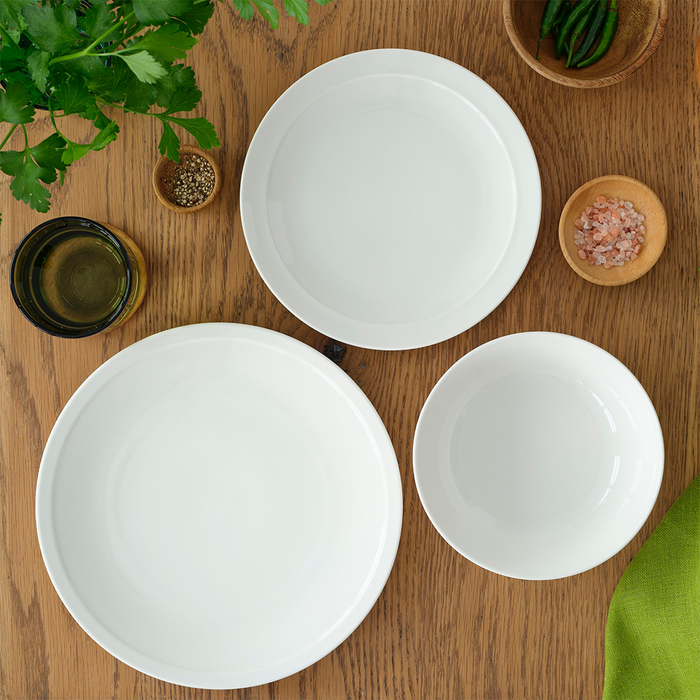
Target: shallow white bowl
[390,199]
[538,456]
[219,506]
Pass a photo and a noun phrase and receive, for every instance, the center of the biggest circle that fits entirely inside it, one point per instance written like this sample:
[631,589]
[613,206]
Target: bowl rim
[155,180]
[581,82]
[640,271]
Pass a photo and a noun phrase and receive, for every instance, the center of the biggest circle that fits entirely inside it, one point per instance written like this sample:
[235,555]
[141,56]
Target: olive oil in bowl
[73,277]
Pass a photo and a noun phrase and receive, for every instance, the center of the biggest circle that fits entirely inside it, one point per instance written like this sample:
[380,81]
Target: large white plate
[538,455]
[219,506]
[390,199]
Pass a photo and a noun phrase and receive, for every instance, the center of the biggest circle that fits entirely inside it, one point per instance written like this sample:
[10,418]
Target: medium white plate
[219,506]
[538,456]
[390,199]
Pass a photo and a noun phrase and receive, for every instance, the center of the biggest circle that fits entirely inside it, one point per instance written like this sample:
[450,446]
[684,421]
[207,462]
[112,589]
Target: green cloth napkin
[652,639]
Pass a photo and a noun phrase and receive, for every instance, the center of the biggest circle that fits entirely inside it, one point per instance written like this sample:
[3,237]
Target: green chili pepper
[555,34]
[579,29]
[563,14]
[559,22]
[606,37]
[593,32]
[550,14]
[579,10]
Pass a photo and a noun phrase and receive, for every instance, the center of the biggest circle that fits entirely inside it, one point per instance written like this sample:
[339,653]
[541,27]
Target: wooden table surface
[443,627]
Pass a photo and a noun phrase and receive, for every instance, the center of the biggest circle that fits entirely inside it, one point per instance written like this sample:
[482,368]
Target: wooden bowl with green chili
[640,27]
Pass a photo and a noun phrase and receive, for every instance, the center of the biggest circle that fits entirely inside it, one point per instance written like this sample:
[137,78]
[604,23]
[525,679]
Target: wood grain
[443,627]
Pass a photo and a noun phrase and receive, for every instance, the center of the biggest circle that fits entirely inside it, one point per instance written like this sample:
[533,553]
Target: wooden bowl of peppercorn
[640,28]
[191,184]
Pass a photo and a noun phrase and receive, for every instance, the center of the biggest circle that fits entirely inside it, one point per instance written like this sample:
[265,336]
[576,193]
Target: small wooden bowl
[645,202]
[639,32]
[158,184]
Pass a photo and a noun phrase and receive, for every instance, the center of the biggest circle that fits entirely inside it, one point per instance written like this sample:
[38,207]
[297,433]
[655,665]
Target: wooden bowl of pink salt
[613,230]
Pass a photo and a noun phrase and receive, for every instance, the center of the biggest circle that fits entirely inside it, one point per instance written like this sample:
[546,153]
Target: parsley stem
[116,53]
[9,133]
[100,39]
[105,34]
[109,104]
[27,150]
[26,140]
[158,115]
[53,121]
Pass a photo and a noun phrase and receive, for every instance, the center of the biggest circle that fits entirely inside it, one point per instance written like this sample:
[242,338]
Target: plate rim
[51,553]
[433,396]
[379,336]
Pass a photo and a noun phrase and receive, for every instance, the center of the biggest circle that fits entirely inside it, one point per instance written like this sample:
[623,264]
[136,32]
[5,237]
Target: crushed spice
[609,233]
[189,182]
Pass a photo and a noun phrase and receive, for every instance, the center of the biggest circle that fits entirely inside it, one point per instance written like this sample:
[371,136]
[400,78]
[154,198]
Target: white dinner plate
[538,456]
[390,199]
[219,506]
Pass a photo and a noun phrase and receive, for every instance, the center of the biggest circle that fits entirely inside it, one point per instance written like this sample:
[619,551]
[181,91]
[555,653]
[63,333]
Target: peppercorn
[189,182]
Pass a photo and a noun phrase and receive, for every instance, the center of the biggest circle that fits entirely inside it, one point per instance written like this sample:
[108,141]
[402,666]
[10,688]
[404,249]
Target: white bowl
[390,199]
[538,456]
[219,506]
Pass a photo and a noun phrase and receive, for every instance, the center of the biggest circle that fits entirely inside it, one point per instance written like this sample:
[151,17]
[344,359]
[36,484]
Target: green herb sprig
[79,57]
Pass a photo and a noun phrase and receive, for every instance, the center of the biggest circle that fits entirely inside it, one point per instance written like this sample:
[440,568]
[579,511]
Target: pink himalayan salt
[609,233]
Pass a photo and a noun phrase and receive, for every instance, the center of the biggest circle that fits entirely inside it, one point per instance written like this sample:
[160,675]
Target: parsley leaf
[12,57]
[184,100]
[269,12]
[294,8]
[169,42]
[25,185]
[23,78]
[97,117]
[15,107]
[169,144]
[139,96]
[179,76]
[38,63]
[200,128]
[122,86]
[298,9]
[29,166]
[15,35]
[197,17]
[73,96]
[91,67]
[47,154]
[52,29]
[105,136]
[159,11]
[245,9]
[144,66]
[74,151]
[11,13]
[266,8]
[97,20]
